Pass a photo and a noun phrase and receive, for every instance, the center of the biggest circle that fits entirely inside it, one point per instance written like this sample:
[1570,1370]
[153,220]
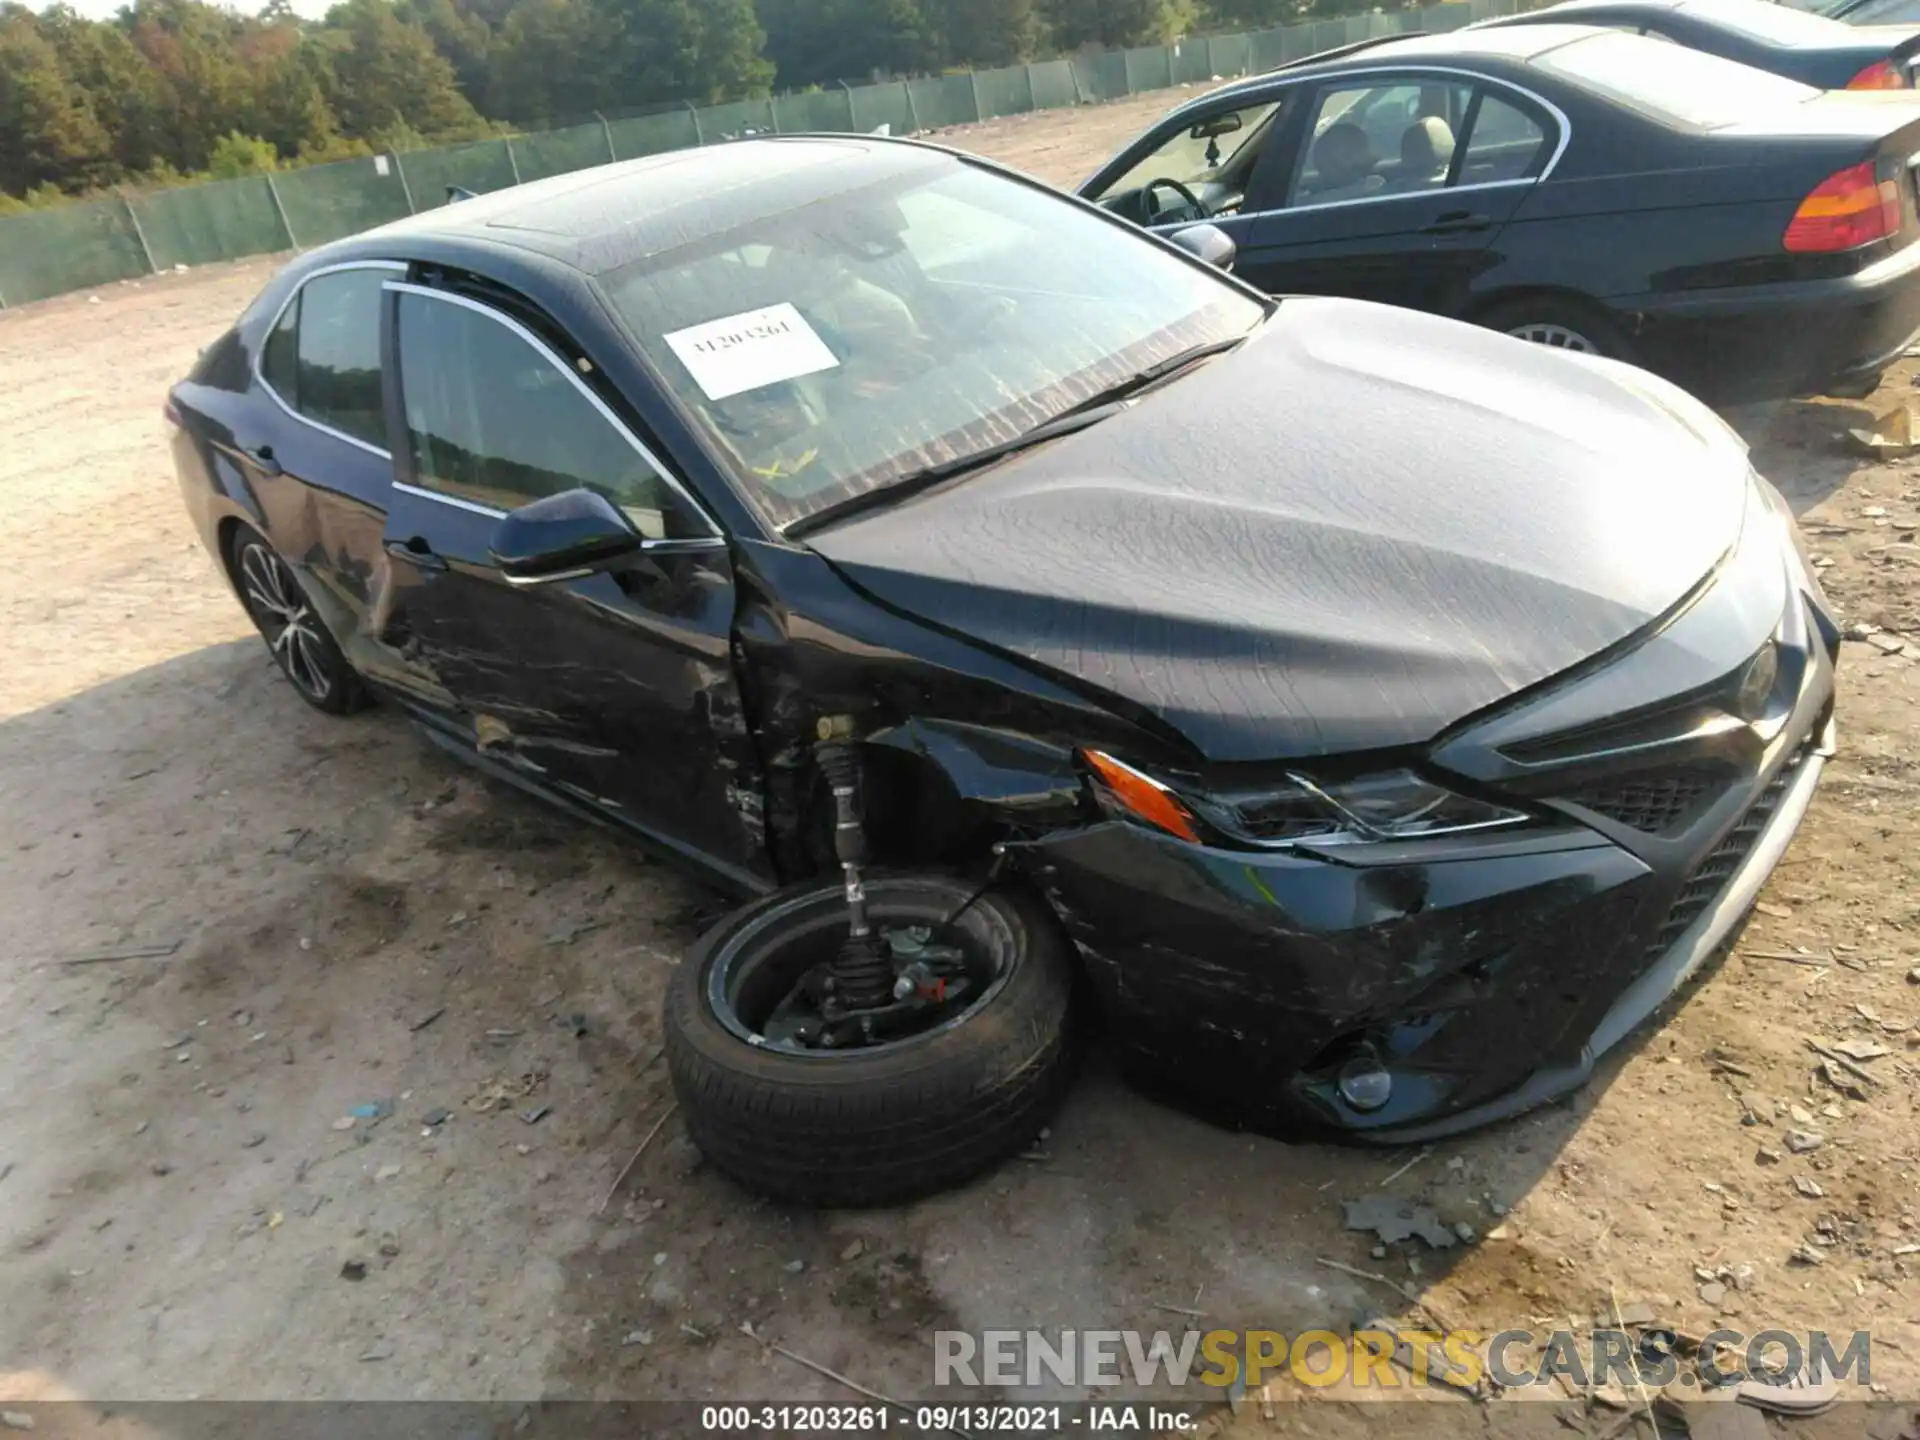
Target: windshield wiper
[1155,373]
[1073,420]
[1090,411]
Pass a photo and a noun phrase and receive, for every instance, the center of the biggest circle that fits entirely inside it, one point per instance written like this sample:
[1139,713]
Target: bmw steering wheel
[1152,207]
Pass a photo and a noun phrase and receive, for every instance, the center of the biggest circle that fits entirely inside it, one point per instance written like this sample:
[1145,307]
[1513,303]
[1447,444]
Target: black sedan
[1813,49]
[1378,717]
[1745,235]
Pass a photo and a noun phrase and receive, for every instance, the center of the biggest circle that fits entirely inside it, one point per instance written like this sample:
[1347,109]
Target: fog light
[1364,1085]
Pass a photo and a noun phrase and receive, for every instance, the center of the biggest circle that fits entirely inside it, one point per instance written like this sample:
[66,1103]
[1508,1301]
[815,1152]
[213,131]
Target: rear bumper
[1769,342]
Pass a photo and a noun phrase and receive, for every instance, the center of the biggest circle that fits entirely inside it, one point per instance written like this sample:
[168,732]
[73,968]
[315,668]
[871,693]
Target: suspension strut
[861,973]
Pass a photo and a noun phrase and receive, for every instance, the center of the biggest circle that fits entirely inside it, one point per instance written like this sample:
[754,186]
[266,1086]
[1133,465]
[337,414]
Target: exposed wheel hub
[927,983]
[883,980]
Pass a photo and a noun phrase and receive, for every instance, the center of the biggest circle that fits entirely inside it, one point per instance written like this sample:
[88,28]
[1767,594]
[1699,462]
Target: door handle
[416,552]
[1457,222]
[261,458]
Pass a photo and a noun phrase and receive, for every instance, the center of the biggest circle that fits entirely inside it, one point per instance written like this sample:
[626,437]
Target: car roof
[612,215]
[1516,44]
[1573,9]
[1761,21]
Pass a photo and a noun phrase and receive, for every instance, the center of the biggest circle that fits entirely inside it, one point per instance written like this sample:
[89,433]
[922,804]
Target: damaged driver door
[610,686]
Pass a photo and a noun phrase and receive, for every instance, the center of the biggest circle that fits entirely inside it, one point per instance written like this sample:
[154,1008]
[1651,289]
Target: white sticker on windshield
[744,352]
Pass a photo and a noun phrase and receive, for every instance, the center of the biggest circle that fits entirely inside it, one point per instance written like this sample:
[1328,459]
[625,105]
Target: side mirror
[562,537]
[1209,243]
[1219,125]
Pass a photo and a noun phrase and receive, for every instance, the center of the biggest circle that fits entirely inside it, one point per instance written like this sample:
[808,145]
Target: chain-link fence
[75,247]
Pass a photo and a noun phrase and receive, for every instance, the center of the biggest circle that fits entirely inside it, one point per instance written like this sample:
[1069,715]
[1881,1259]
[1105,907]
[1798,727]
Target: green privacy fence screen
[76,247]
[204,223]
[486,165]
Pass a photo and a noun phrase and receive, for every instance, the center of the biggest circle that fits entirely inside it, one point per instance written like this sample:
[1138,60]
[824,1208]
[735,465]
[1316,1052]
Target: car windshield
[1672,82]
[849,345]
[1874,12]
[1770,24]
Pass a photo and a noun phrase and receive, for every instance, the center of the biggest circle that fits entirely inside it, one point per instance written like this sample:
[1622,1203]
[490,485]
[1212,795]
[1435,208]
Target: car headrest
[1426,146]
[1342,155]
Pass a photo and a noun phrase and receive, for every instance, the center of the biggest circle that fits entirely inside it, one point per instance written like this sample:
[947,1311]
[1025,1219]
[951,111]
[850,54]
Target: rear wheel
[800,1100]
[1559,324]
[297,638]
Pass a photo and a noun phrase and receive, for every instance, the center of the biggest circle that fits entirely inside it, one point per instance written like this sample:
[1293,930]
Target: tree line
[169,90]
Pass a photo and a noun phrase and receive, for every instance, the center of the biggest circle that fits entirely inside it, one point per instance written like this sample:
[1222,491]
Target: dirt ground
[348,920]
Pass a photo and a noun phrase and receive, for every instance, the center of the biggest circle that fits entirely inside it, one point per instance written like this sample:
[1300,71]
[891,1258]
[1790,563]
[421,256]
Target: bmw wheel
[1556,337]
[1559,324]
[295,635]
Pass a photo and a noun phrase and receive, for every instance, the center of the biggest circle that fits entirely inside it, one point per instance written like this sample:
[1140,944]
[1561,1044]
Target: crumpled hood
[1360,527]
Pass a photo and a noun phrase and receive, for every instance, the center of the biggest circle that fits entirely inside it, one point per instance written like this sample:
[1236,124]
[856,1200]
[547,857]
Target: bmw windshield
[835,350]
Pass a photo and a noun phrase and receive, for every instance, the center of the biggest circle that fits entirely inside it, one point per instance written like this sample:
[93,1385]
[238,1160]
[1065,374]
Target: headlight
[1392,805]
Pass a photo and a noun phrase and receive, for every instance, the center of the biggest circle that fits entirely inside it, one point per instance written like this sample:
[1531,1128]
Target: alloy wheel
[1556,337]
[279,607]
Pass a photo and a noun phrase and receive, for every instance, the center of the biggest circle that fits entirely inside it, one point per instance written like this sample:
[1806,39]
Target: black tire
[883,1125]
[292,629]
[1554,320]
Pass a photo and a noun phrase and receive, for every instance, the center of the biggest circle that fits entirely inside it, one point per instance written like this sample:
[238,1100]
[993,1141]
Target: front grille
[1652,803]
[1724,861]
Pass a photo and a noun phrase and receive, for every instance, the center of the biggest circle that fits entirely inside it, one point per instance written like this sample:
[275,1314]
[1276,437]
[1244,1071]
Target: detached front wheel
[794,1095]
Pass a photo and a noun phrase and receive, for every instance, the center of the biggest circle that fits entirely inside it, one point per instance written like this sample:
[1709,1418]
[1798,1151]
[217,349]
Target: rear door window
[337,355]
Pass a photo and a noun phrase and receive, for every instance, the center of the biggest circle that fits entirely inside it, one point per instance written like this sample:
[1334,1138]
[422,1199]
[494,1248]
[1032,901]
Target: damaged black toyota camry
[1369,717]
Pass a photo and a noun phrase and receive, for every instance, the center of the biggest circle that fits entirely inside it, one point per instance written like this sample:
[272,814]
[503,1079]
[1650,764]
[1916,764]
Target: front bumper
[1485,976]
[1787,799]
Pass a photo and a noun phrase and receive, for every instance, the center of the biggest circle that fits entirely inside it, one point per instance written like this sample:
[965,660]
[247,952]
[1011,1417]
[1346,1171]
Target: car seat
[1426,152]
[1343,162]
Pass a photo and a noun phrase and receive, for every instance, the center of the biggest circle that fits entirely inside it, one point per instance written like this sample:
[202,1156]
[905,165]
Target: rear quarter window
[223,365]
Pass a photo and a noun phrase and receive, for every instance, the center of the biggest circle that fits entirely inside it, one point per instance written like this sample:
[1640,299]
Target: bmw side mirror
[562,537]
[1209,243]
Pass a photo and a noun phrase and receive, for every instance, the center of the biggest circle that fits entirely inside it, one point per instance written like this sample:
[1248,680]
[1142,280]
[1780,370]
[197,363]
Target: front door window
[1381,139]
[491,419]
[1203,169]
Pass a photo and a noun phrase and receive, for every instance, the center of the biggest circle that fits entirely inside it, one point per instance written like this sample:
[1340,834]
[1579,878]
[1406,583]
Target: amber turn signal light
[1142,795]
